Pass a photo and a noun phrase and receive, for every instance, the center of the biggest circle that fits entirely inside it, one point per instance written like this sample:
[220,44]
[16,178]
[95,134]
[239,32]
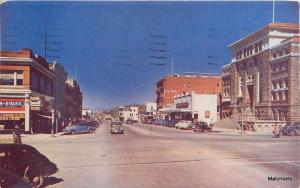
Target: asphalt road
[154,156]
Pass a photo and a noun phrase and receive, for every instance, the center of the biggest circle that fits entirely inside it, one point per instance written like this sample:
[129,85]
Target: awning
[41,115]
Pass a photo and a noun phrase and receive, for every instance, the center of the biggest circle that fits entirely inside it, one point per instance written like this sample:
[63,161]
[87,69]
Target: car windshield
[117,123]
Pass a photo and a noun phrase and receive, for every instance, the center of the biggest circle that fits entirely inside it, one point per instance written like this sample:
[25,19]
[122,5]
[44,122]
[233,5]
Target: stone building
[262,80]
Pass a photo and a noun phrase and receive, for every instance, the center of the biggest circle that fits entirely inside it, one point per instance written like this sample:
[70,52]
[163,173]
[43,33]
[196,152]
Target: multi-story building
[150,108]
[128,113]
[59,89]
[26,91]
[73,101]
[195,107]
[263,79]
[173,85]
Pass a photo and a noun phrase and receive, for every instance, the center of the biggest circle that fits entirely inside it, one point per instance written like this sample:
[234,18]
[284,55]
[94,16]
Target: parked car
[184,124]
[158,122]
[171,123]
[149,121]
[202,127]
[79,128]
[9,179]
[25,161]
[117,128]
[291,130]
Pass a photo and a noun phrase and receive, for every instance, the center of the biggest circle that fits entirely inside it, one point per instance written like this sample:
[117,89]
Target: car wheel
[72,132]
[39,180]
[292,133]
[90,131]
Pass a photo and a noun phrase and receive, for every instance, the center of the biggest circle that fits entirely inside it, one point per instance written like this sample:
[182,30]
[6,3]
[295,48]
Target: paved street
[166,157]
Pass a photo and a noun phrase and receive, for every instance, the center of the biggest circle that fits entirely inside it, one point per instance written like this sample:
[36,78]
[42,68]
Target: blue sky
[119,50]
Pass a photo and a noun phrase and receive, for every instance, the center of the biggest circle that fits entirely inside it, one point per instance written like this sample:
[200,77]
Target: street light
[52,122]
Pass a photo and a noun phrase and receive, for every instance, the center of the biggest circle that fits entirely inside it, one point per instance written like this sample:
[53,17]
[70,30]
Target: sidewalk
[239,132]
[27,138]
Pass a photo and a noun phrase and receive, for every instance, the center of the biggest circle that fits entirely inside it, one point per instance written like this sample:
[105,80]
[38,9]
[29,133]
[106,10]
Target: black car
[25,161]
[117,128]
[202,127]
[291,130]
[9,179]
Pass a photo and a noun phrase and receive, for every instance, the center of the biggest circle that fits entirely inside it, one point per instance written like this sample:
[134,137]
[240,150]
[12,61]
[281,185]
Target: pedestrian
[17,135]
[276,131]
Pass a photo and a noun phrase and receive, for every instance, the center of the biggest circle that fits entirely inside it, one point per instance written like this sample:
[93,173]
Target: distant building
[73,101]
[194,107]
[59,89]
[26,91]
[87,113]
[151,108]
[262,79]
[128,113]
[173,85]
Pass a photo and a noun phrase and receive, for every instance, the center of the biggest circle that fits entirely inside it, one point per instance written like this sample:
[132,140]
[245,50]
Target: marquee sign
[12,104]
[182,105]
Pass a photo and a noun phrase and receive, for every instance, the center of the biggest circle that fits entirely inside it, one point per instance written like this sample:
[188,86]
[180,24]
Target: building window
[260,46]
[8,77]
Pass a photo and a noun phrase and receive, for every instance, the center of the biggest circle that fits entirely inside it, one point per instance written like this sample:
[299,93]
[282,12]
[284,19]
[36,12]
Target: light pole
[52,122]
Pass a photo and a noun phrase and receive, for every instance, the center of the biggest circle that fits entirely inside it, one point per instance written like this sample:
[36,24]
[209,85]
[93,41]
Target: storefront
[12,112]
[193,107]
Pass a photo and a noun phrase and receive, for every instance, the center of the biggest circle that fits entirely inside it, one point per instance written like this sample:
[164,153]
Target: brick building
[26,91]
[262,79]
[173,85]
[73,101]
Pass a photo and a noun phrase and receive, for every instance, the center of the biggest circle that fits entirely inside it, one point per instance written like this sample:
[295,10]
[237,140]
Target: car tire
[39,180]
[292,133]
[90,131]
[72,132]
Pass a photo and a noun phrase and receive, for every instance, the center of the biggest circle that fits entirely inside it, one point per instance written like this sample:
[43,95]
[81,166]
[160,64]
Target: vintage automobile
[11,180]
[79,128]
[158,122]
[117,128]
[291,130]
[170,123]
[184,124]
[26,162]
[202,127]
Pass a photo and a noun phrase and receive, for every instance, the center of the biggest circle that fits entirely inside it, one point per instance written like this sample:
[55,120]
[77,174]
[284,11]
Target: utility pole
[172,66]
[273,17]
[45,39]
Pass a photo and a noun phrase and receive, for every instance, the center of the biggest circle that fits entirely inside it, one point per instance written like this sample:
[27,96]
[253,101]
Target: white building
[202,107]
[151,108]
[128,113]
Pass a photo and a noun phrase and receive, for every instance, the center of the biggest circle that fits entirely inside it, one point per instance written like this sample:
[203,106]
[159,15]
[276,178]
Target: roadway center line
[263,162]
[291,162]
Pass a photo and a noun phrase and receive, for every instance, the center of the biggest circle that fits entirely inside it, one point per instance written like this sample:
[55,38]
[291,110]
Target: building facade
[59,90]
[73,101]
[26,91]
[128,113]
[173,85]
[195,107]
[262,80]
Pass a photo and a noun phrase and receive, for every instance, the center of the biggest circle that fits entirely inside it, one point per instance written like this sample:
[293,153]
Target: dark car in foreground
[9,179]
[117,128]
[202,127]
[79,128]
[25,161]
[291,130]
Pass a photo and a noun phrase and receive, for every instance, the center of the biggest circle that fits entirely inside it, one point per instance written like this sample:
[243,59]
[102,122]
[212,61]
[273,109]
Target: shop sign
[182,105]
[35,104]
[11,116]
[12,104]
